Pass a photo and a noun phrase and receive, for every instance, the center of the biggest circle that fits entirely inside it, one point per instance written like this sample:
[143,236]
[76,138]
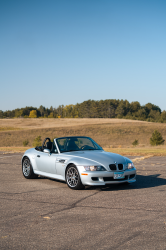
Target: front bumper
[96,178]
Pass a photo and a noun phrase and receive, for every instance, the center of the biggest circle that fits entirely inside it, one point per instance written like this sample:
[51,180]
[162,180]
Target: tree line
[110,108]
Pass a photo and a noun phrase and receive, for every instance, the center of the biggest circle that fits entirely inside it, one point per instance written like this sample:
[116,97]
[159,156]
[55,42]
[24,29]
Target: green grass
[8,128]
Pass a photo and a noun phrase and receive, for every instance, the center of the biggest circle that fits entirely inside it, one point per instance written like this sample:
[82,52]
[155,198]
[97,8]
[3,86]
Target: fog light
[100,179]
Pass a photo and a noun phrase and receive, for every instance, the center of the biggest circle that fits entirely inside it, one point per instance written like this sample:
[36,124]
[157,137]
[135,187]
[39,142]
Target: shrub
[37,141]
[51,115]
[156,138]
[18,113]
[135,142]
[25,143]
[33,114]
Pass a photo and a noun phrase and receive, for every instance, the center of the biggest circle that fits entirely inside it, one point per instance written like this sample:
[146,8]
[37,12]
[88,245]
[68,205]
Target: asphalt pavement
[45,214]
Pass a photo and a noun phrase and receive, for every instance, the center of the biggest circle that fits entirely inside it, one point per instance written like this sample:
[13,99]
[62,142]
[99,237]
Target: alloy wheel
[72,177]
[26,167]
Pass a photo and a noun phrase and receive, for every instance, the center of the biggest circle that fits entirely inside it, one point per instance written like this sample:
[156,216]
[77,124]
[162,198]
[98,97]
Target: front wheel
[73,178]
[27,169]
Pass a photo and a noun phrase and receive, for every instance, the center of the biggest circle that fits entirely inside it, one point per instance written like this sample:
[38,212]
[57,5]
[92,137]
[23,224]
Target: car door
[46,162]
[61,165]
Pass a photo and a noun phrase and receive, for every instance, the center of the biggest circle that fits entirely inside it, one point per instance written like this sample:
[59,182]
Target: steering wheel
[84,146]
[45,142]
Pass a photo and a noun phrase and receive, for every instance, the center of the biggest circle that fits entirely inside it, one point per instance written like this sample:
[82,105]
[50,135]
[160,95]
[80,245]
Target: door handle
[38,155]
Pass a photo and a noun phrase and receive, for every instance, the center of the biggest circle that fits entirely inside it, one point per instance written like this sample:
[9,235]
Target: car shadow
[142,181]
[51,179]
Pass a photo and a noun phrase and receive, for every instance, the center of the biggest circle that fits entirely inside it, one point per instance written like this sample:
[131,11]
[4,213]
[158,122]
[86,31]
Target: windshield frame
[80,150]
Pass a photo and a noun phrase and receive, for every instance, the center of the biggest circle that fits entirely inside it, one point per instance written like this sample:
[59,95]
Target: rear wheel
[73,178]
[27,169]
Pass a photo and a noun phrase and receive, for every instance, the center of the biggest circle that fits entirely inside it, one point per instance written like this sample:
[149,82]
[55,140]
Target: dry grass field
[116,135]
[34,123]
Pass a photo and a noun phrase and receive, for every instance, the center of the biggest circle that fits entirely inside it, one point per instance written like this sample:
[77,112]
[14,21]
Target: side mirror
[46,150]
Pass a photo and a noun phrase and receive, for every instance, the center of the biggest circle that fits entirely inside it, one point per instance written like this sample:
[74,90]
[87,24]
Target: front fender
[82,162]
[79,162]
[31,154]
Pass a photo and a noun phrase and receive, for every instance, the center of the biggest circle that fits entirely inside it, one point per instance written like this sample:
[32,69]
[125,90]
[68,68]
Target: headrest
[49,145]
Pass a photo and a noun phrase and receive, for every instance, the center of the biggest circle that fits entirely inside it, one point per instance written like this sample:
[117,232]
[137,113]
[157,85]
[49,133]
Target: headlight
[130,165]
[94,168]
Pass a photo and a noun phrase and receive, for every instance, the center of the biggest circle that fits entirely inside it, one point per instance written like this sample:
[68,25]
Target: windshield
[68,144]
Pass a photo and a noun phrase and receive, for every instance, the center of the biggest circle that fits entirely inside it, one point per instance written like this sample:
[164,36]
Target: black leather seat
[49,145]
[72,145]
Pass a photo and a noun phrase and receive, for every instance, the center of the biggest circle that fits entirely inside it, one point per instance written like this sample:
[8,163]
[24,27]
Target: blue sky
[68,51]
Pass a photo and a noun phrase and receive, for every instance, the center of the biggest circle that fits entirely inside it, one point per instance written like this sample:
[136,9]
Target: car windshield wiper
[92,149]
[69,151]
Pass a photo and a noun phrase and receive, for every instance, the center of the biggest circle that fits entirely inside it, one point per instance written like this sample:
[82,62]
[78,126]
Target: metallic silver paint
[54,165]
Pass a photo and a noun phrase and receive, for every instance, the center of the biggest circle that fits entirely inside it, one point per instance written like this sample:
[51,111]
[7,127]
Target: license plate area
[119,175]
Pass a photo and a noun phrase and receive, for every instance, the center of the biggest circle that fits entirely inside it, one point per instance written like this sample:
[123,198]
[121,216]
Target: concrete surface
[46,214]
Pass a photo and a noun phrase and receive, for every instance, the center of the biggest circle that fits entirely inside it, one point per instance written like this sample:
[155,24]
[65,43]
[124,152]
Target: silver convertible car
[79,161]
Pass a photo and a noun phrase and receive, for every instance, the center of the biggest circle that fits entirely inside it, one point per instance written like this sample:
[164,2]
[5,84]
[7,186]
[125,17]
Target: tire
[27,169]
[73,179]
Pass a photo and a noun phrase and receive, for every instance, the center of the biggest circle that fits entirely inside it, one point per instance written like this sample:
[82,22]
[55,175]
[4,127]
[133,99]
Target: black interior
[44,145]
[72,145]
[47,144]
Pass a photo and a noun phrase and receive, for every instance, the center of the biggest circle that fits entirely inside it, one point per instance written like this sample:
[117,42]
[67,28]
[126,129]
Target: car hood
[100,157]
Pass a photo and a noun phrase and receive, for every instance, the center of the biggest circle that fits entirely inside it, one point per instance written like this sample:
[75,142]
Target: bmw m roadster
[79,161]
